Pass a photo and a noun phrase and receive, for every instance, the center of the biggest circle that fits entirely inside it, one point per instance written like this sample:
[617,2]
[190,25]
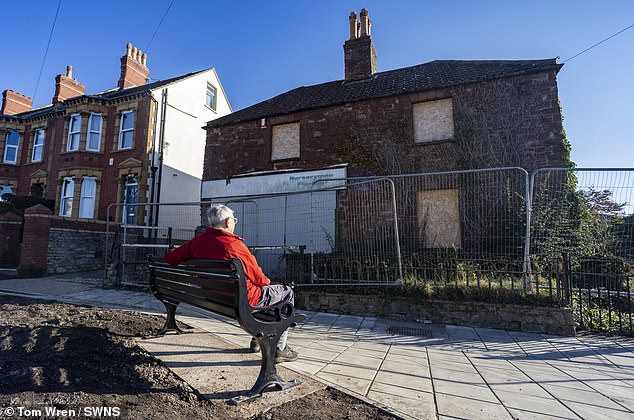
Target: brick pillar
[37,225]
[10,225]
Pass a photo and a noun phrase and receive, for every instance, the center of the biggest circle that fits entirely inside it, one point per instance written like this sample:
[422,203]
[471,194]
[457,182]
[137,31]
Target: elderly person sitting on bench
[220,243]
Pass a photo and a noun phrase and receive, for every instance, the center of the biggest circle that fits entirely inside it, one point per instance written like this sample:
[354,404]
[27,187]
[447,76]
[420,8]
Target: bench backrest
[216,286]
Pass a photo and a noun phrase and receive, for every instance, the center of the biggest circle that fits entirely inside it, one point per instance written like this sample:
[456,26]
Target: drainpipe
[153,167]
[161,144]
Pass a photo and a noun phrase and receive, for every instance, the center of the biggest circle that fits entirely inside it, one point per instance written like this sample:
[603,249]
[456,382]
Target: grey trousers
[273,294]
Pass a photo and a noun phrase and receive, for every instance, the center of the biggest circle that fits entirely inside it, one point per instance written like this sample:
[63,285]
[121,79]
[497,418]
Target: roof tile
[433,75]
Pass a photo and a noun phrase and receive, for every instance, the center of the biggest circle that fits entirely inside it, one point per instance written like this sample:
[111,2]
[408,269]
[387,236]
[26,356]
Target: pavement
[413,370]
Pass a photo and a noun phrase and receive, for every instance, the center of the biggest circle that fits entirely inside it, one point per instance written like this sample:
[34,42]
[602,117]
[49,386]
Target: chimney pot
[69,71]
[144,59]
[365,23]
[128,49]
[354,26]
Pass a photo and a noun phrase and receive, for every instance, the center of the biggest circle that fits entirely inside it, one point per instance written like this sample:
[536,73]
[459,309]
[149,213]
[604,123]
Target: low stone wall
[72,250]
[534,319]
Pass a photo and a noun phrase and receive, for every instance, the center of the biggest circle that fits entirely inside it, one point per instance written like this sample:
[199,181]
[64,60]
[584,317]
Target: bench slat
[208,282]
[189,290]
[216,307]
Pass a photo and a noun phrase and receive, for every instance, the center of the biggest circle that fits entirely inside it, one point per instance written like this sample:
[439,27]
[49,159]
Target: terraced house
[131,144]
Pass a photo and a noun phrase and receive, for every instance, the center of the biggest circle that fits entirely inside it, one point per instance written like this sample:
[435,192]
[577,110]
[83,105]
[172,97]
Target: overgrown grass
[607,320]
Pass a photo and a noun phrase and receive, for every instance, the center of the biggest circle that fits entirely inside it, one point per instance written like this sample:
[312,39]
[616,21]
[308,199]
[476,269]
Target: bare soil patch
[67,357]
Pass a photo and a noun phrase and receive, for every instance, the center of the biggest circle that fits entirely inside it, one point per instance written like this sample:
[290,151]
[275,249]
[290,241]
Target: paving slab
[412,403]
[465,407]
[220,371]
[531,405]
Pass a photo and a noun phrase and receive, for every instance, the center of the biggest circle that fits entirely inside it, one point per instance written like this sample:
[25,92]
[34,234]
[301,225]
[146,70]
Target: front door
[130,200]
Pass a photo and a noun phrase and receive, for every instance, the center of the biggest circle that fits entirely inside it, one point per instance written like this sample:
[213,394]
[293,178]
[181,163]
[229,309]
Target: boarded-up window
[433,120]
[285,143]
[439,218]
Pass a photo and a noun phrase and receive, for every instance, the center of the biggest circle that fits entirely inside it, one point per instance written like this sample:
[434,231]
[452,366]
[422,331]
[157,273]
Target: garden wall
[509,317]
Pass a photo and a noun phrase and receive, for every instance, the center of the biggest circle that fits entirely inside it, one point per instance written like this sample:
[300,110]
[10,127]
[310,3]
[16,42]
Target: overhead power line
[599,43]
[159,25]
[50,36]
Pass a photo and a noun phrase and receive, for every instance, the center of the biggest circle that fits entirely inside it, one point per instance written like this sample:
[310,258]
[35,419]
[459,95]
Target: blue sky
[263,48]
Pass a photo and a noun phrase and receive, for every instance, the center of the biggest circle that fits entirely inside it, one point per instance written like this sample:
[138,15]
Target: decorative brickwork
[134,72]
[15,103]
[66,87]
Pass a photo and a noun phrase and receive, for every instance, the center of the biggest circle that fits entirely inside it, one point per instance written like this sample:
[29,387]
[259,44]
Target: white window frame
[92,132]
[123,132]
[211,104]
[87,197]
[66,197]
[73,134]
[38,145]
[13,147]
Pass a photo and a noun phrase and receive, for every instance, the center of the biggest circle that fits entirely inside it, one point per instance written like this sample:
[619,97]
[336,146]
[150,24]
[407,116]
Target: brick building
[130,144]
[442,115]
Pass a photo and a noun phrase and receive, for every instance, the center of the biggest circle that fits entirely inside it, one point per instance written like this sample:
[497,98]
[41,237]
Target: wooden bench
[220,287]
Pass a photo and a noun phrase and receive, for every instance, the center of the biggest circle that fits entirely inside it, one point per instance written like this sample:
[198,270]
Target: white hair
[217,214]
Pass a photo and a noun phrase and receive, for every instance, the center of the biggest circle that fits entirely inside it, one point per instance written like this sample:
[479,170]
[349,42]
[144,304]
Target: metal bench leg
[268,372]
[170,322]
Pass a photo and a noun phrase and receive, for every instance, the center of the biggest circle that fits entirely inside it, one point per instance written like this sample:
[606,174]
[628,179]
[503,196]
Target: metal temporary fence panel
[342,234]
[582,241]
[354,233]
[464,228]
[156,228]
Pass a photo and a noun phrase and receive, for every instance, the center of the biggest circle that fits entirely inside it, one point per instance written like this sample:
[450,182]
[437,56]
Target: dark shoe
[254,346]
[286,355]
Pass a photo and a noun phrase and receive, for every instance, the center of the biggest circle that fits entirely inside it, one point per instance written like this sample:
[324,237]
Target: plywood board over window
[285,143]
[433,120]
[439,218]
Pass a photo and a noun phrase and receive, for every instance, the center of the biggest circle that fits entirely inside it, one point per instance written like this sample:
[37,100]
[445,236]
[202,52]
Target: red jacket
[218,244]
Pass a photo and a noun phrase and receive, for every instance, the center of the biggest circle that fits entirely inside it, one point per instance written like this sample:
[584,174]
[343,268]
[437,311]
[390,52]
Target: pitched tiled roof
[118,93]
[107,95]
[433,75]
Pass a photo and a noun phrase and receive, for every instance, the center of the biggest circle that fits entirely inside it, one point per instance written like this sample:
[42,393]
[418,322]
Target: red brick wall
[55,158]
[37,225]
[376,136]
[133,73]
[10,226]
[66,87]
[15,103]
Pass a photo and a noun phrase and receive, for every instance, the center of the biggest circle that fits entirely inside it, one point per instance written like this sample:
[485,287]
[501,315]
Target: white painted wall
[184,137]
[305,219]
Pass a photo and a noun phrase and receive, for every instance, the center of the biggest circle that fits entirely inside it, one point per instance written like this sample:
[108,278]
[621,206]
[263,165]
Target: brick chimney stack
[134,72]
[67,87]
[358,52]
[15,103]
